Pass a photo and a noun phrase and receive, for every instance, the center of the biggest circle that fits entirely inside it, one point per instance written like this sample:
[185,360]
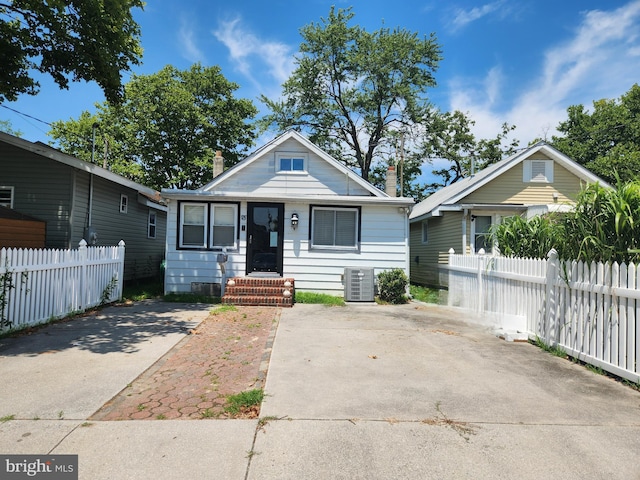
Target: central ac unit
[359,284]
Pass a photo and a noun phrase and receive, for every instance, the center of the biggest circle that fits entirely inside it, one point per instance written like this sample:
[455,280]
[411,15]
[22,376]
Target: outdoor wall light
[294,220]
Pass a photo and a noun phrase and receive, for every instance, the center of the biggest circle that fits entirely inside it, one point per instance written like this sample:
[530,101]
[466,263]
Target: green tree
[166,131]
[6,127]
[351,88]
[91,40]
[606,140]
[450,138]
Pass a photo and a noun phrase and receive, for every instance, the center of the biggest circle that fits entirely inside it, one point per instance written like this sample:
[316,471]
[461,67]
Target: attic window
[540,171]
[291,163]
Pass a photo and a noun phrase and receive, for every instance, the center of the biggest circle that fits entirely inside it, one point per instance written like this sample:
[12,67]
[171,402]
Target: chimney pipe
[391,181]
[218,164]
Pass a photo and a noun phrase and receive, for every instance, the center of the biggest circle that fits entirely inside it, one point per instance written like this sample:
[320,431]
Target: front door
[264,237]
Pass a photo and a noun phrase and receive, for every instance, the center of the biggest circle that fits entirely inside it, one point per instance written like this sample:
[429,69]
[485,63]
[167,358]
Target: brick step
[258,300]
[251,290]
[261,291]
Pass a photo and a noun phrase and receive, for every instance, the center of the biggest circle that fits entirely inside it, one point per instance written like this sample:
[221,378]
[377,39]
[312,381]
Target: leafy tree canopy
[91,40]
[444,139]
[6,127]
[351,88]
[166,131]
[606,140]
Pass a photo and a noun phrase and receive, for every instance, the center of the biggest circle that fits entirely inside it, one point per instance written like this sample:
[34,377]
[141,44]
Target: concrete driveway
[410,391]
[363,391]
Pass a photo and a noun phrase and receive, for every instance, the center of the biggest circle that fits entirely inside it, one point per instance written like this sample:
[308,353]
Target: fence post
[120,269]
[551,301]
[481,266]
[83,298]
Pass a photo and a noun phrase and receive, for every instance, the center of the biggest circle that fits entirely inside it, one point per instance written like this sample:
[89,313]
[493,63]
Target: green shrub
[392,285]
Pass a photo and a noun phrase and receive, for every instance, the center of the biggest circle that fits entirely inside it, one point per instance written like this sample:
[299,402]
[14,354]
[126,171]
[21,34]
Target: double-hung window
[223,225]
[208,225]
[151,226]
[335,228]
[193,225]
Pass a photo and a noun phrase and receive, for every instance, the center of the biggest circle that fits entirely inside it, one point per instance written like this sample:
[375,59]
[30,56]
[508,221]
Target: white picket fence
[592,311]
[39,285]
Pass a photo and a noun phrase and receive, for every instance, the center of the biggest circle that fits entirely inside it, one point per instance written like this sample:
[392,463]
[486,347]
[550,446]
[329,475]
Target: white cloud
[190,49]
[598,61]
[464,17]
[252,55]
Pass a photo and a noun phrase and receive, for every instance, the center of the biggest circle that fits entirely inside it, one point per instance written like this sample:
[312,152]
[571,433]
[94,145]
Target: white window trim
[212,207]
[12,194]
[209,212]
[153,224]
[527,175]
[351,248]
[124,203]
[425,232]
[181,225]
[292,155]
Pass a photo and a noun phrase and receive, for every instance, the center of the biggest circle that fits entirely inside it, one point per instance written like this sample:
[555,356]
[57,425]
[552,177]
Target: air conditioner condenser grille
[359,284]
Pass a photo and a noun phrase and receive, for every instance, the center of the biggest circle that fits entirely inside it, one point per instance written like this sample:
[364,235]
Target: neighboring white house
[288,210]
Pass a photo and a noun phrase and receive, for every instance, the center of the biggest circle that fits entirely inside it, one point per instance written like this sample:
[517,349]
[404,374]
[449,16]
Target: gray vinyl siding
[42,189]
[142,255]
[59,195]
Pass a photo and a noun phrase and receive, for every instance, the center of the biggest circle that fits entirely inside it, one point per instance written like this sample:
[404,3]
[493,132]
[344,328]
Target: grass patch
[144,291]
[424,294]
[6,418]
[554,350]
[319,298]
[244,401]
[190,298]
[223,308]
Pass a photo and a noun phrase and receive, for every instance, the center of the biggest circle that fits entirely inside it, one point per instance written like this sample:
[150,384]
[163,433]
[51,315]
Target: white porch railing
[39,285]
[591,310]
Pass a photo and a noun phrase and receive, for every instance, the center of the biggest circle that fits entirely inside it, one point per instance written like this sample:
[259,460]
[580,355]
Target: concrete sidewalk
[363,391]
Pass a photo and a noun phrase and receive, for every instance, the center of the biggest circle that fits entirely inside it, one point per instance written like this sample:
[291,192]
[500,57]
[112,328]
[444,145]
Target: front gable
[539,175]
[290,165]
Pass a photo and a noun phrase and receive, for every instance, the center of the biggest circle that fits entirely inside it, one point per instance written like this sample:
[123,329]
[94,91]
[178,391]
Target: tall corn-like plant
[518,237]
[603,227]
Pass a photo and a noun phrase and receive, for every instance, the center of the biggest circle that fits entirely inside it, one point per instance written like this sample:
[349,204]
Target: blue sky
[517,61]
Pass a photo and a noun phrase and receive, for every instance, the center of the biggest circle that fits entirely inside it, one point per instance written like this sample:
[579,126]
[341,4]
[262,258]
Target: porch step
[272,292]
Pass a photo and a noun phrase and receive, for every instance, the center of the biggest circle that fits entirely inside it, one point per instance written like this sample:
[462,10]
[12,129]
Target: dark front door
[264,237]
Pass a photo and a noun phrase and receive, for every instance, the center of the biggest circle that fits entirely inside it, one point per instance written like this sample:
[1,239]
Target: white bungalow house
[287,213]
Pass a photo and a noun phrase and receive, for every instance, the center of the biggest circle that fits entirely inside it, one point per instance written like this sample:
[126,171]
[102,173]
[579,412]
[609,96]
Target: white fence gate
[591,310]
[39,285]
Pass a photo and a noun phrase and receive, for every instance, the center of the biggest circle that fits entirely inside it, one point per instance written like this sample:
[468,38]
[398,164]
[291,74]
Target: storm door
[264,237]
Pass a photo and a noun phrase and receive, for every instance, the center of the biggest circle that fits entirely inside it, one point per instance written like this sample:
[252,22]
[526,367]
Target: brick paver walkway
[227,354]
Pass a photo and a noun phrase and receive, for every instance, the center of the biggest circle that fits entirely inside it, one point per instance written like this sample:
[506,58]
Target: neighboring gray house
[80,200]
[287,211]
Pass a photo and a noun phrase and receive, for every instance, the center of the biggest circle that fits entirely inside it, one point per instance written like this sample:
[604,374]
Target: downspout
[464,231]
